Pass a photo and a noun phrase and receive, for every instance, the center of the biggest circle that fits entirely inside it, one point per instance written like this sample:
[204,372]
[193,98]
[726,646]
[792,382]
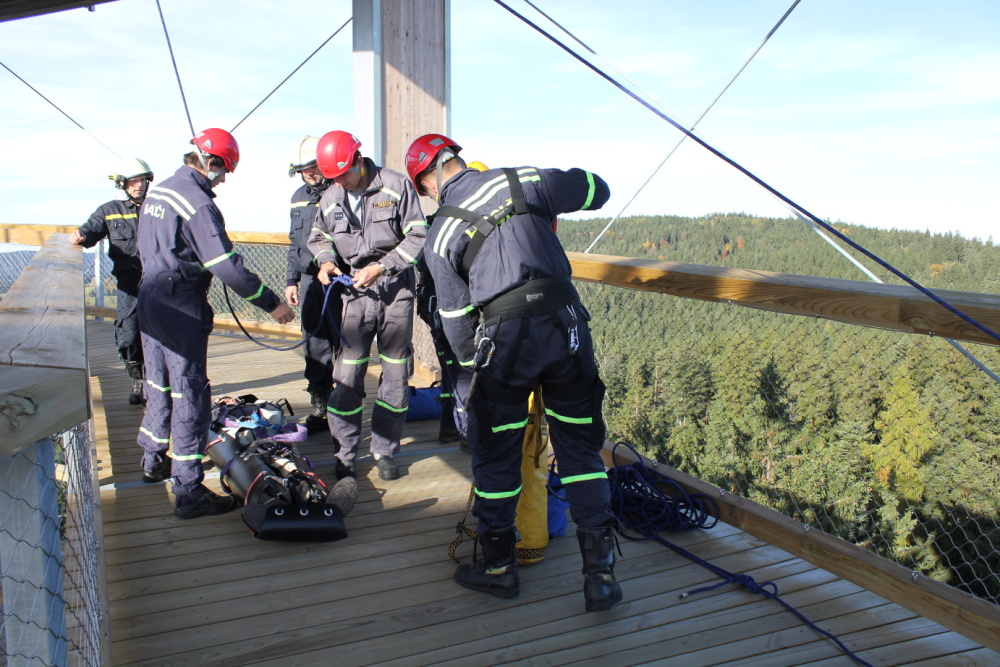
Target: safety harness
[484,225]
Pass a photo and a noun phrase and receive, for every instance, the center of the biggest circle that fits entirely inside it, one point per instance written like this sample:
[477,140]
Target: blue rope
[342,279]
[639,502]
[746,172]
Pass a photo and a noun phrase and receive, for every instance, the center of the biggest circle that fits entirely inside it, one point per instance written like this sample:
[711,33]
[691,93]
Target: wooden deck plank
[205,592]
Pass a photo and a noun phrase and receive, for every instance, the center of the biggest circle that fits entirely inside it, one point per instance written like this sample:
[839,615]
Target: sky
[883,114]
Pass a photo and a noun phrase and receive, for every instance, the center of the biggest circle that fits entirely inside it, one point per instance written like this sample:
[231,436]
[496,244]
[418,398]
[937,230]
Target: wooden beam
[901,308]
[958,611]
[38,402]
[31,234]
[43,351]
[414,74]
[41,316]
[259,238]
[401,75]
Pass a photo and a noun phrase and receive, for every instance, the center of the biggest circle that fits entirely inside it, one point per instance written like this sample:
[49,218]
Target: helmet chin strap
[439,169]
[209,174]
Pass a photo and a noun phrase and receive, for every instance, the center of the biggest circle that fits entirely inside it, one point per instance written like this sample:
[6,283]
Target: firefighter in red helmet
[511,313]
[371,228]
[183,244]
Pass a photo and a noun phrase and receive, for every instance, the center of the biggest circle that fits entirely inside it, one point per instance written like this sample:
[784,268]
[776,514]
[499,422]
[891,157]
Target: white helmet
[305,155]
[131,167]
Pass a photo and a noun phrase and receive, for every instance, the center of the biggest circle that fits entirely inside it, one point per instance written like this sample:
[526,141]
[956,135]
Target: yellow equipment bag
[532,519]
[533,506]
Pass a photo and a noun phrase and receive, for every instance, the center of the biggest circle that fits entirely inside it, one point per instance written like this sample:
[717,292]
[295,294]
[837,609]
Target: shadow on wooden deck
[205,592]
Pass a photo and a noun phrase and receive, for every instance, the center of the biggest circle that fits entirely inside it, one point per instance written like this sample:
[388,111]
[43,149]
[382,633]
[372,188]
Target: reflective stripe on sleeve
[457,313]
[220,258]
[590,192]
[259,292]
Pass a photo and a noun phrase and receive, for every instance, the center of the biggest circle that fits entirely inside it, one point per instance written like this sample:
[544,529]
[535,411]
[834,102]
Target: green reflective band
[190,457]
[393,361]
[569,420]
[411,260]
[158,387]
[345,414]
[176,394]
[147,433]
[389,407]
[415,223]
[220,258]
[259,292]
[585,478]
[457,313]
[444,395]
[510,427]
[354,362]
[467,364]
[391,193]
[590,192]
[499,494]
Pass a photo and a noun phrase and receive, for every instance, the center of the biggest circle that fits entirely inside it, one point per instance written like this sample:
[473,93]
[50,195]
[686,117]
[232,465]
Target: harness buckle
[573,331]
[484,353]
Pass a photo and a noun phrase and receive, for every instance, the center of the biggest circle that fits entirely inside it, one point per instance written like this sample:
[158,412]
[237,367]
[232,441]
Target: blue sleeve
[574,190]
[207,236]
[95,229]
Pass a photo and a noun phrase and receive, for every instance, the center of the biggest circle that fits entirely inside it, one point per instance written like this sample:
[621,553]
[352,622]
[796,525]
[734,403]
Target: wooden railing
[43,349]
[900,308]
[954,609]
[861,303]
[49,529]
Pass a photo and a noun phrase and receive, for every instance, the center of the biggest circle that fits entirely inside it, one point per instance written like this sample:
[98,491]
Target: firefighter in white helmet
[117,221]
[319,312]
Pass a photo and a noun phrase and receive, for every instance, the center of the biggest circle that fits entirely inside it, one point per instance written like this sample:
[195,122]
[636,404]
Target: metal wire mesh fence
[890,441]
[269,262]
[50,564]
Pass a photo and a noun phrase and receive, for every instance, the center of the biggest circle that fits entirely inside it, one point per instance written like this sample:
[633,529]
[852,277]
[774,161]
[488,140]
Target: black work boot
[203,502]
[345,469]
[316,421]
[134,369]
[160,470]
[496,572]
[597,546]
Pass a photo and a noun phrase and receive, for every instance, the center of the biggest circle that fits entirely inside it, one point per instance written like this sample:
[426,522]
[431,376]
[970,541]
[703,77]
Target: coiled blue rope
[642,507]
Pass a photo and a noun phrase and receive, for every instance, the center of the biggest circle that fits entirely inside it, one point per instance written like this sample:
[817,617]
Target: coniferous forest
[889,440]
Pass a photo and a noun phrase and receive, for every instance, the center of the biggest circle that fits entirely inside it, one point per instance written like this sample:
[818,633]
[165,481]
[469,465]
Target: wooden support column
[401,75]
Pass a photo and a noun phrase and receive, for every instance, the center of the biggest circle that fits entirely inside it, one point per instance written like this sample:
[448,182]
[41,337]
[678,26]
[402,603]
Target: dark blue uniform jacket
[117,220]
[522,248]
[183,243]
[305,209]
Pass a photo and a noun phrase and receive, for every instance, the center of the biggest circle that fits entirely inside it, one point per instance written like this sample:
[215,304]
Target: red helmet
[335,152]
[219,143]
[422,152]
